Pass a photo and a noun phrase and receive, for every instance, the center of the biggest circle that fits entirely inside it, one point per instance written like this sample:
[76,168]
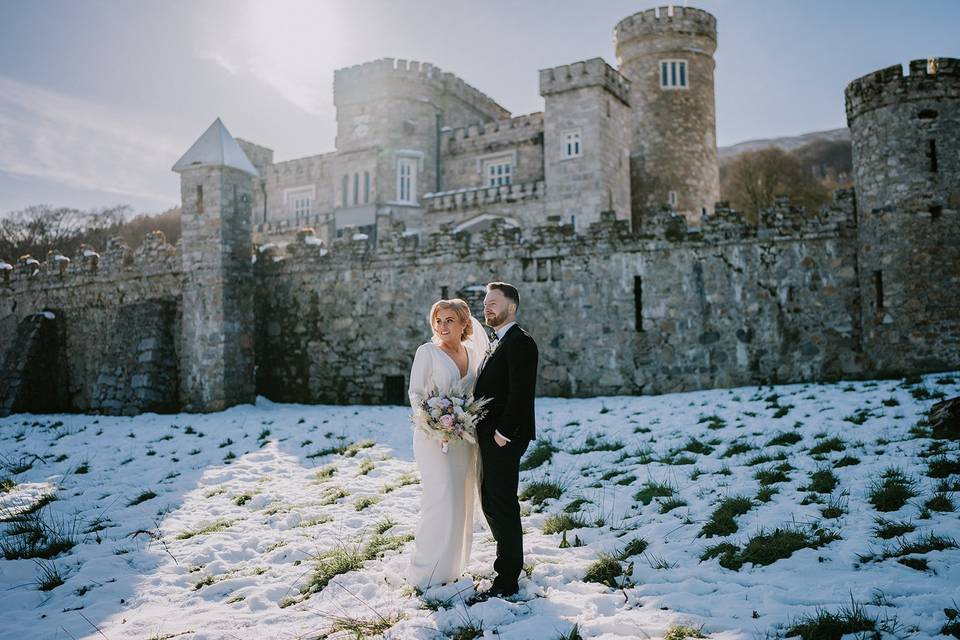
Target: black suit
[509,378]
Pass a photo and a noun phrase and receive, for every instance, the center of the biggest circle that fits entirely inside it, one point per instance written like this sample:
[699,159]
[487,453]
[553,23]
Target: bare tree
[42,228]
[756,178]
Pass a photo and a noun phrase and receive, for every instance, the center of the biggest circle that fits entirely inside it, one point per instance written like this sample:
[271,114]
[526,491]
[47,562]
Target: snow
[254,467]
[5,266]
[360,236]
[314,240]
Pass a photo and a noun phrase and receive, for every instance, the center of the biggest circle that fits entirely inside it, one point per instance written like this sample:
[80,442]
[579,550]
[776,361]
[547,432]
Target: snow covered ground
[212,526]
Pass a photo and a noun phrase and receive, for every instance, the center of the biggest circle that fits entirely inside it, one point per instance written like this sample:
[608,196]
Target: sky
[99,98]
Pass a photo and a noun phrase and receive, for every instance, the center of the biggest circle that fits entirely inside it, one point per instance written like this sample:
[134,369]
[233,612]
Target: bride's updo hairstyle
[459,308]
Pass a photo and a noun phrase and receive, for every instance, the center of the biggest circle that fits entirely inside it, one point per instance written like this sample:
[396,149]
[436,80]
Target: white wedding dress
[441,548]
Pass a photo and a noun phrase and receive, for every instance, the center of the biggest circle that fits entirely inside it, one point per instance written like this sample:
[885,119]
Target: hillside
[728,514]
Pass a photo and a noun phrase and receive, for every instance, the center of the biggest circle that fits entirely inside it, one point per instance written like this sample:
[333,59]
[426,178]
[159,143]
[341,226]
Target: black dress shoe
[502,591]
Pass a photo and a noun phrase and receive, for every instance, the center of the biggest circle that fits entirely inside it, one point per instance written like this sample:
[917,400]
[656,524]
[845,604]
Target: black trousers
[500,470]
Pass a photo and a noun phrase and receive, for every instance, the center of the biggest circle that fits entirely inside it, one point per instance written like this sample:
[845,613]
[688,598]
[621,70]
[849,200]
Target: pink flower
[446,421]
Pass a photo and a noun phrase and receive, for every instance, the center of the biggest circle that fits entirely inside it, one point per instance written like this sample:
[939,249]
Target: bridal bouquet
[449,417]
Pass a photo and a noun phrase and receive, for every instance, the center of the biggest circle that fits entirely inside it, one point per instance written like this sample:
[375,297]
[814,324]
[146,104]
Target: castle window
[356,188]
[638,302]
[407,180]
[366,187]
[344,191]
[672,198]
[571,146]
[199,198]
[673,74]
[499,173]
[932,155]
[878,287]
[444,292]
[299,203]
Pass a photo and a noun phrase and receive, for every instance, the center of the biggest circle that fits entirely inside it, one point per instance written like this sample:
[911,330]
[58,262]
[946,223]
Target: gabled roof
[215,148]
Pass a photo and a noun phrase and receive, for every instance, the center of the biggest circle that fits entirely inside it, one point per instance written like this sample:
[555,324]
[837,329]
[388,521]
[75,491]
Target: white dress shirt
[502,331]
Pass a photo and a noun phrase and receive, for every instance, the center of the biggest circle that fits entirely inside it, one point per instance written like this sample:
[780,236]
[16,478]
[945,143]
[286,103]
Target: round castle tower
[667,53]
[905,134]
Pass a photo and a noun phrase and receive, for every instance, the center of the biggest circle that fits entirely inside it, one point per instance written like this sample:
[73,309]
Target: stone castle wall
[120,318]
[776,304]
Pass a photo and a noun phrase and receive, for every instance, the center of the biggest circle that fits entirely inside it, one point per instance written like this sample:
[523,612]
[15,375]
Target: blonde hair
[460,308]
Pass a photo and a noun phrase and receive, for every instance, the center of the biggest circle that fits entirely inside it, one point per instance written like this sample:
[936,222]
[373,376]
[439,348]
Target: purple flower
[447,421]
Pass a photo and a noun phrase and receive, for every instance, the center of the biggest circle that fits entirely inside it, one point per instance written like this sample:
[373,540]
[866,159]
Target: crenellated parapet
[154,257]
[479,137]
[586,73]
[930,79]
[682,20]
[363,81]
[460,199]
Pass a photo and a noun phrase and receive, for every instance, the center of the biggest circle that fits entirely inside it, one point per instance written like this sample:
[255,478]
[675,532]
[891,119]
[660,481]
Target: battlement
[356,82]
[483,196]
[533,121]
[587,73]
[154,257]
[669,19]
[934,78]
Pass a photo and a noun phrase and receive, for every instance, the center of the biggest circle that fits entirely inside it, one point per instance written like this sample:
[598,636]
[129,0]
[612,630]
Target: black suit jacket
[509,377]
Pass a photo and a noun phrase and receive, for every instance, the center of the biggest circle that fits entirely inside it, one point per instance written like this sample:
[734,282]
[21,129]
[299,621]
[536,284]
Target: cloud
[70,141]
[293,50]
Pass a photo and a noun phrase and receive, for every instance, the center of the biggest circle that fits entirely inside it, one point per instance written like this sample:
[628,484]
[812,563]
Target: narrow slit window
[638,301]
[199,198]
[343,190]
[356,188]
[932,154]
[444,292]
[878,286]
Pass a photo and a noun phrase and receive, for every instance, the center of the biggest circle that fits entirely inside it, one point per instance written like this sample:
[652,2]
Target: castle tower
[667,54]
[217,347]
[389,116]
[586,157]
[905,134]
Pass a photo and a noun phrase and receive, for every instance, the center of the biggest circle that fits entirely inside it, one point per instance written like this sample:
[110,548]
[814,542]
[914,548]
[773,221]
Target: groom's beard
[495,321]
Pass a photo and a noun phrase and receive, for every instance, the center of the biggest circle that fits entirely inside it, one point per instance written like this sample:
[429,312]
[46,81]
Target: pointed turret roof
[215,148]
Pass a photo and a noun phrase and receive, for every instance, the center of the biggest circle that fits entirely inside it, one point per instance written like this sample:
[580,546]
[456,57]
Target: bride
[448,363]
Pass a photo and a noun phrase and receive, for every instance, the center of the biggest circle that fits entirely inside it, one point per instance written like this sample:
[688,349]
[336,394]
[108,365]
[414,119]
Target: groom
[508,376]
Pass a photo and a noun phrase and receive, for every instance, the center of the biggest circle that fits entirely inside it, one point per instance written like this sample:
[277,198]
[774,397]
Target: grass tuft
[722,521]
[561,522]
[541,454]
[892,491]
[604,570]
[540,491]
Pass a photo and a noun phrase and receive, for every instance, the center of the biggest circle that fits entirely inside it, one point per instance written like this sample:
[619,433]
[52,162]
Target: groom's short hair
[509,291]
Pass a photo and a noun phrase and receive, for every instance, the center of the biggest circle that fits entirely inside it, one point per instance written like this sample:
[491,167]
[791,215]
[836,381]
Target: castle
[307,280]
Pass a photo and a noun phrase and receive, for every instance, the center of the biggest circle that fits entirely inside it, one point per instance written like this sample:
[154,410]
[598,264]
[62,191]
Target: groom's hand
[499,439]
